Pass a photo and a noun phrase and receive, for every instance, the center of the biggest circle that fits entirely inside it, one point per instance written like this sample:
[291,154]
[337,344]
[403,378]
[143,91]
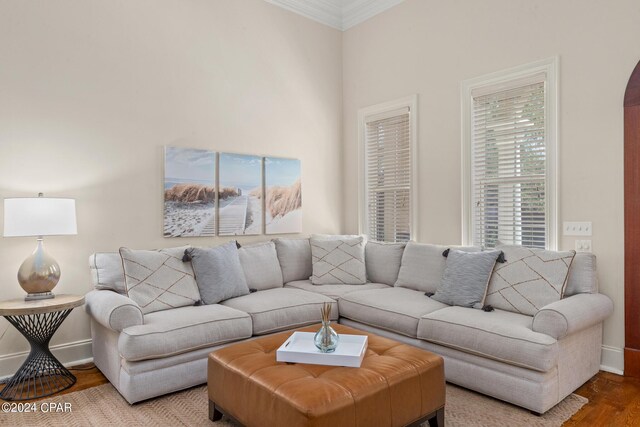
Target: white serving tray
[300,348]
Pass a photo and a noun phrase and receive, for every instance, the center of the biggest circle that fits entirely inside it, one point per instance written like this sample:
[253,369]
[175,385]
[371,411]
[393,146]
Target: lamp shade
[39,216]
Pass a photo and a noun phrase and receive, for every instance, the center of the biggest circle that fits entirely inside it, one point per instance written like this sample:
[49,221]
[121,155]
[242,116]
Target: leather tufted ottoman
[397,385]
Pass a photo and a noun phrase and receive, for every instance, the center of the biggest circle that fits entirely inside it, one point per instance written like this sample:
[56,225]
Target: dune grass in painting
[189,192]
[283,196]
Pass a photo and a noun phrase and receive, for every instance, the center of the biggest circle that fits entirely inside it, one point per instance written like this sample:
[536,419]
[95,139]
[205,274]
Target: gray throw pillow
[338,261]
[383,261]
[261,267]
[466,278]
[158,280]
[294,256]
[423,265]
[219,274]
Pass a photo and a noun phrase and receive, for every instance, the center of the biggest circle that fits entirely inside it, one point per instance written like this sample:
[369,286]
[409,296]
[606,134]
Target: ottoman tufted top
[397,384]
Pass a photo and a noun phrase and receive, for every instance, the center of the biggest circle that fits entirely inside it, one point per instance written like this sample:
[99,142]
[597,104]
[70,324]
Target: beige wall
[90,92]
[428,47]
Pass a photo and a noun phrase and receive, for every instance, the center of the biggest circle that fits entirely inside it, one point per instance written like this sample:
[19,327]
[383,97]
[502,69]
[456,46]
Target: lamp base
[39,295]
[39,273]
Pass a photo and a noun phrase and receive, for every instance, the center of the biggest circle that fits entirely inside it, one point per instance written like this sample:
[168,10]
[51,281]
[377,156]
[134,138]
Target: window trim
[496,80]
[410,102]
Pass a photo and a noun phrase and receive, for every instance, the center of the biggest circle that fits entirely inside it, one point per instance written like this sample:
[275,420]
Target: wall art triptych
[208,193]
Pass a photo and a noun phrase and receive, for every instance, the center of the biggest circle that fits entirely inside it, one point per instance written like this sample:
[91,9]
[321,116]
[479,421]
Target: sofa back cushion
[294,256]
[261,266]
[338,261]
[106,272]
[583,277]
[422,265]
[159,280]
[529,279]
[382,261]
[219,274]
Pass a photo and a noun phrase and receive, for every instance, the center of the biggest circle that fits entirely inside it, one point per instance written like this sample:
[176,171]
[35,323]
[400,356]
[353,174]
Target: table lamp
[39,216]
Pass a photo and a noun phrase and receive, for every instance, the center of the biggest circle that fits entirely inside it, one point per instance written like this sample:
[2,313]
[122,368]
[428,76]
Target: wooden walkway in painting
[209,229]
[233,217]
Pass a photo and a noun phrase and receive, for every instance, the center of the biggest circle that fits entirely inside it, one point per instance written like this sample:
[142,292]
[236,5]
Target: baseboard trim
[69,354]
[612,360]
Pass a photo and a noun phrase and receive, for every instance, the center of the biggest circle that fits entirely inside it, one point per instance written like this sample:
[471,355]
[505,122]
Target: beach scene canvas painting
[283,195]
[189,192]
[240,195]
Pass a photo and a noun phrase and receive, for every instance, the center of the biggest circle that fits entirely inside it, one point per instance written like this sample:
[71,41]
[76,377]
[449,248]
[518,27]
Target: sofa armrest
[572,314]
[113,310]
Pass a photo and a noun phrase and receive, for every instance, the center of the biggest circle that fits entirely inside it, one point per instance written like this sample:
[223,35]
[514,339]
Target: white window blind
[388,175]
[509,153]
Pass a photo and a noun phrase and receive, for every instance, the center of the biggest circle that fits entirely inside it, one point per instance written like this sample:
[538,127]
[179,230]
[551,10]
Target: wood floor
[87,376]
[613,400]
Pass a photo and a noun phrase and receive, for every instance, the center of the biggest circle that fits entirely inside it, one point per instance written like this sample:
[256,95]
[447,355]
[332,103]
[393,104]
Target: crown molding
[339,14]
[323,11]
[359,11]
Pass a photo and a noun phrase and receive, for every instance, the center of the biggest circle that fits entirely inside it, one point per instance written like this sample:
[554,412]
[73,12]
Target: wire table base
[41,374]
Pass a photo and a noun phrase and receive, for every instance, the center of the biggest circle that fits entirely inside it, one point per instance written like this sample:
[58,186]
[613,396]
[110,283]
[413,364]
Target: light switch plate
[583,245]
[576,228]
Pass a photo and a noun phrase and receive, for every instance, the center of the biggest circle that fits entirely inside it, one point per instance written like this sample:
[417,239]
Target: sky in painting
[190,165]
[242,171]
[281,172]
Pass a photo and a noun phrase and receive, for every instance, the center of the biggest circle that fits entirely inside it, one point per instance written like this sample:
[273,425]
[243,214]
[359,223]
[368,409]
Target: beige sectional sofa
[531,361]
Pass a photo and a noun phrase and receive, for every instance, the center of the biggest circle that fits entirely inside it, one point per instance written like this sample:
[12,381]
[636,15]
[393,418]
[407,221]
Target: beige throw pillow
[159,280]
[529,279]
[338,261]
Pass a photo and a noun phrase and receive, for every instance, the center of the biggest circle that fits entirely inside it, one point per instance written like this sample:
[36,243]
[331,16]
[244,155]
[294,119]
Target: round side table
[41,374]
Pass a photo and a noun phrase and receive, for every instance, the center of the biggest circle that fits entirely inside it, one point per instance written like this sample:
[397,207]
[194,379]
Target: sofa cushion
[394,309]
[499,335]
[159,280]
[106,272]
[282,308]
[333,291]
[218,273]
[338,261]
[422,266]
[582,275]
[383,261]
[529,279]
[466,277]
[294,256]
[167,333]
[261,266]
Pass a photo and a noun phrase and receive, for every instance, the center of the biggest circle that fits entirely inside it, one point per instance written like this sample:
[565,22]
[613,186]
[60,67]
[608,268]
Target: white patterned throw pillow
[338,261]
[159,280]
[529,279]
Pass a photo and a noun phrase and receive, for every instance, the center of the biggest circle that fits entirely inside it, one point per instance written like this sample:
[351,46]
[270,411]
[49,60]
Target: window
[387,170]
[509,148]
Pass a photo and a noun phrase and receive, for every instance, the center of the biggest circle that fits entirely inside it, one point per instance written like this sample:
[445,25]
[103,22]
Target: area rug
[103,406]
